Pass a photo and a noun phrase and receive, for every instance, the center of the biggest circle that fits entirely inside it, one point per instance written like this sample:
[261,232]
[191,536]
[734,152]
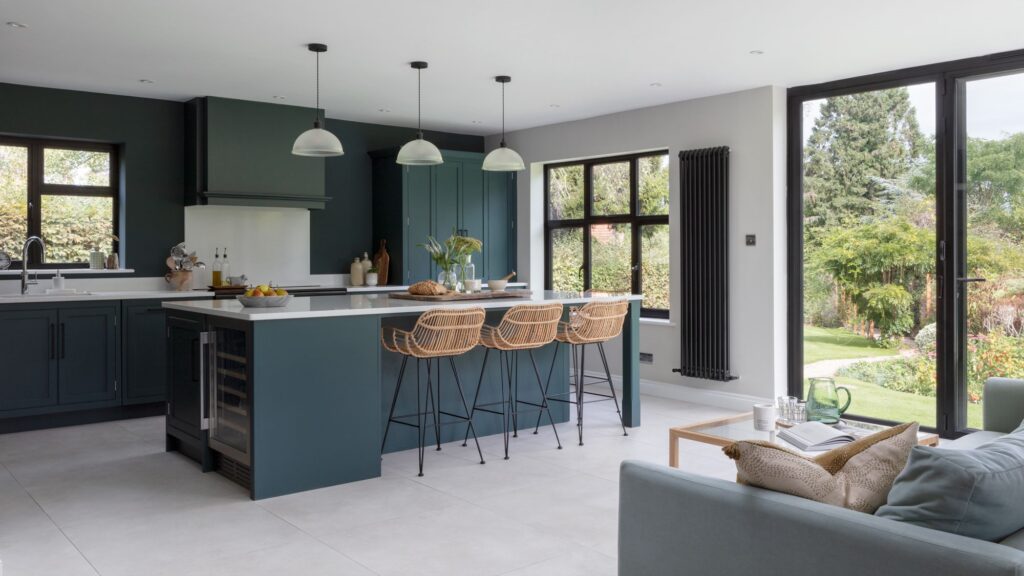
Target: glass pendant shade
[419,152]
[317,142]
[503,159]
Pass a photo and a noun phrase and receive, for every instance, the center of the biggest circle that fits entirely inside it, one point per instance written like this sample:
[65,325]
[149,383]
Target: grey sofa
[675,523]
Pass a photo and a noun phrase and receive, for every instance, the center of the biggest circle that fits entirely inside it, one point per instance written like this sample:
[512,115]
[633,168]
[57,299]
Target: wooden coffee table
[725,431]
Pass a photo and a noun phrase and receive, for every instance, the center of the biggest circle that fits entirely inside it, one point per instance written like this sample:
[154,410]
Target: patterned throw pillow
[857,476]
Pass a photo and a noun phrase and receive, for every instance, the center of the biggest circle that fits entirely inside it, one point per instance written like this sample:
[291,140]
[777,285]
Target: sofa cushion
[856,476]
[977,493]
[972,441]
[1015,540]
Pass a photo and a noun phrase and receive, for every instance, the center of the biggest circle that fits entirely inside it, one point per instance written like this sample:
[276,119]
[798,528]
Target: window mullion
[35,178]
[588,205]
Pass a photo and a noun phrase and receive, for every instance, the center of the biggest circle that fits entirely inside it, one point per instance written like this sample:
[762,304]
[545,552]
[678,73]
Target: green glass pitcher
[823,400]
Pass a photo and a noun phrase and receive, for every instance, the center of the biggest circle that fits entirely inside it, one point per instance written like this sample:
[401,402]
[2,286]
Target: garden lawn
[873,400]
[839,343]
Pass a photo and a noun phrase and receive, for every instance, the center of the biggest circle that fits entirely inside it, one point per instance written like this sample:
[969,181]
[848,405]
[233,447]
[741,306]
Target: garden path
[828,368]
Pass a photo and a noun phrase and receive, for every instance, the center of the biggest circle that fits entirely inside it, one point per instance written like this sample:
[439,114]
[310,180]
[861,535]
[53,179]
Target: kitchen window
[63,191]
[606,227]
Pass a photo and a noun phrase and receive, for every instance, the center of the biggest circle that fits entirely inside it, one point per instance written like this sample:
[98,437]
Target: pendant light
[316,141]
[503,158]
[419,152]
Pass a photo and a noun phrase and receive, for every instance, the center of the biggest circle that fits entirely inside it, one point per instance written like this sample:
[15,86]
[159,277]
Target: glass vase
[450,280]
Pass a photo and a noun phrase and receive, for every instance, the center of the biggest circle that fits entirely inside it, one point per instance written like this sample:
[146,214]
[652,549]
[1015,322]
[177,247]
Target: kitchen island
[288,399]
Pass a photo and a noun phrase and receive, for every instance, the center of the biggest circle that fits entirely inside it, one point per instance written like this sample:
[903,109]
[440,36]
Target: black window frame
[634,219]
[37,188]
[948,78]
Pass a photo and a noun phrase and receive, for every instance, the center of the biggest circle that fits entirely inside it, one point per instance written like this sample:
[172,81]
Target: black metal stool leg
[503,371]
[547,383]
[394,401]
[421,414]
[514,391]
[580,380]
[544,408]
[476,396]
[615,398]
[435,407]
[462,396]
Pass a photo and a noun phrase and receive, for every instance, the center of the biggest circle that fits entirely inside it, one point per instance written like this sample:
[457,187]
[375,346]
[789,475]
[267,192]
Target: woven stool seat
[594,322]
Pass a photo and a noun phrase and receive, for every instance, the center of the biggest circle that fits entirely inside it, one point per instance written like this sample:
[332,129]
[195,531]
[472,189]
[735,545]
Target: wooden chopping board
[456,296]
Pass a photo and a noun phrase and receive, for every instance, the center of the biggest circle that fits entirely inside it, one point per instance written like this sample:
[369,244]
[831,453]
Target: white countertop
[367,304]
[33,272]
[39,297]
[390,288]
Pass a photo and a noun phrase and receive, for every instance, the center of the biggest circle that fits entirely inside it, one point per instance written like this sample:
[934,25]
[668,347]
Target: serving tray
[456,296]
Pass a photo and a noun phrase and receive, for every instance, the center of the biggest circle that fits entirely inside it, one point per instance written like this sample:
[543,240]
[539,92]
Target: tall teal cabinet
[413,202]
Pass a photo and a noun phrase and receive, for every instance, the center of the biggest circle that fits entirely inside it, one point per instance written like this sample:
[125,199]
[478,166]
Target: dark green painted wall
[344,229]
[151,135]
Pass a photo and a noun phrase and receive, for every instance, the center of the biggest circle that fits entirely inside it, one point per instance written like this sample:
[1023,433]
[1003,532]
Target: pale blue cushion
[977,493]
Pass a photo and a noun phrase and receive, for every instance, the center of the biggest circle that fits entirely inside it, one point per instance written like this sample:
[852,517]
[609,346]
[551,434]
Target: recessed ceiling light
[757,52]
[554,106]
[145,81]
[13,24]
[655,84]
[278,97]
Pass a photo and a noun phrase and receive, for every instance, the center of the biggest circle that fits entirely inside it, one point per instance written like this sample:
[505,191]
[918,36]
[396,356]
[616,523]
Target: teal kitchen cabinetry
[413,202]
[239,153]
[89,354]
[28,353]
[79,362]
[59,358]
[144,351]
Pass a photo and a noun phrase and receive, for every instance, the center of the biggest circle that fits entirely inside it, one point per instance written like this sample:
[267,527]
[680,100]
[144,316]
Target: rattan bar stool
[594,323]
[439,334]
[523,328]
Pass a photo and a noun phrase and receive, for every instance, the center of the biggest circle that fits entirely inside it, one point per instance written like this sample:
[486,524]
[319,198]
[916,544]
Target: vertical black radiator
[704,286]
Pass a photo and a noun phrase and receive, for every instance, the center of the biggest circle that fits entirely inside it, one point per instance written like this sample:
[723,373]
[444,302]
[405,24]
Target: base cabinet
[59,358]
[88,353]
[144,349]
[28,354]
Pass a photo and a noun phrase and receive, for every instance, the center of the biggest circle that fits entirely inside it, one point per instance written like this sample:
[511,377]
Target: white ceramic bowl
[497,285]
[264,301]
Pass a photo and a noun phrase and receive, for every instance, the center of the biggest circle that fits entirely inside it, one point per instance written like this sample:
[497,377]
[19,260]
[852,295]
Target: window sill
[46,272]
[657,322]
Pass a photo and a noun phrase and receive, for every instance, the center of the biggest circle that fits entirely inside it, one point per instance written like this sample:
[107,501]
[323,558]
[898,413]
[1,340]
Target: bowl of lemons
[264,296]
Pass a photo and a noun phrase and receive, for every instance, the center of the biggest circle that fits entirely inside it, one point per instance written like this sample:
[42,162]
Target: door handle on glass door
[966,280]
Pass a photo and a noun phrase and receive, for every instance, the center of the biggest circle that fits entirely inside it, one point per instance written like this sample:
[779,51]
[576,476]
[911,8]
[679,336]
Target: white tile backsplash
[265,244]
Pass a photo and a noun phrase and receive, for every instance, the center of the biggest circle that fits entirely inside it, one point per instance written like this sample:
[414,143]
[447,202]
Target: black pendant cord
[316,119]
[419,103]
[502,114]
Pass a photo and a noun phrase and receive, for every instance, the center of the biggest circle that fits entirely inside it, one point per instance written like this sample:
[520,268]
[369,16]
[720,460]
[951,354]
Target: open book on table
[818,437]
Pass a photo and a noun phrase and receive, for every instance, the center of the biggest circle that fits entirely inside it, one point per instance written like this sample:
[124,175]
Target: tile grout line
[52,521]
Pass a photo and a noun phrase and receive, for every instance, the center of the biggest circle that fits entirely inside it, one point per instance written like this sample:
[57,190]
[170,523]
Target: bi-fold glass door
[988,245]
[907,239]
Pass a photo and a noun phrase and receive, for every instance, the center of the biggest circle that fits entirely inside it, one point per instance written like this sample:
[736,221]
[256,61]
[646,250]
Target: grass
[873,400]
[870,399]
[839,343]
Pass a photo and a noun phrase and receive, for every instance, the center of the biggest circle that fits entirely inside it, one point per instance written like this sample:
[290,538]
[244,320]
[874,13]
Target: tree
[857,142]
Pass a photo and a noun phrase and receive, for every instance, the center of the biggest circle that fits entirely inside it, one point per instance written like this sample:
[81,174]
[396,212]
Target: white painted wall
[265,244]
[752,124]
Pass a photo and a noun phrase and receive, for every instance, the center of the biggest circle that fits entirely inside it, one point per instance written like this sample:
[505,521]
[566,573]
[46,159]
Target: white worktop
[368,304]
[39,297]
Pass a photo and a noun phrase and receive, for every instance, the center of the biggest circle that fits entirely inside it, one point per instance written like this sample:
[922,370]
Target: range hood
[239,154]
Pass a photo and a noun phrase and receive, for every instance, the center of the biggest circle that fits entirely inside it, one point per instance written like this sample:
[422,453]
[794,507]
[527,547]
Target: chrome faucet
[24,261]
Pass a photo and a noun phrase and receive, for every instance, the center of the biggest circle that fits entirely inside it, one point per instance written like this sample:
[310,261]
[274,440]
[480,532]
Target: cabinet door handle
[53,342]
[204,340]
[63,342]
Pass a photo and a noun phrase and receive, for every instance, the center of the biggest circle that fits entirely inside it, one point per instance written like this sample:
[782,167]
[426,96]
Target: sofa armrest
[1003,406]
[672,522]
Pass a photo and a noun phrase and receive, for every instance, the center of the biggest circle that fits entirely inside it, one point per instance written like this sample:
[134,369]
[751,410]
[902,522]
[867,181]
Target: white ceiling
[588,57]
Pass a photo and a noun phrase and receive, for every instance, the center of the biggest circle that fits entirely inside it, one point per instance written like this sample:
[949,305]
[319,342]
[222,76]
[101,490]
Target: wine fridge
[229,392]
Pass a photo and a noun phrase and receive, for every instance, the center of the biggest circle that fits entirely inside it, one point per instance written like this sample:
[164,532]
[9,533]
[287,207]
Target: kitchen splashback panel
[265,244]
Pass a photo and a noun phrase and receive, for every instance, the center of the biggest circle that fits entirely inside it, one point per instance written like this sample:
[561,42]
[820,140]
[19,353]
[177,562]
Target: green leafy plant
[455,250]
